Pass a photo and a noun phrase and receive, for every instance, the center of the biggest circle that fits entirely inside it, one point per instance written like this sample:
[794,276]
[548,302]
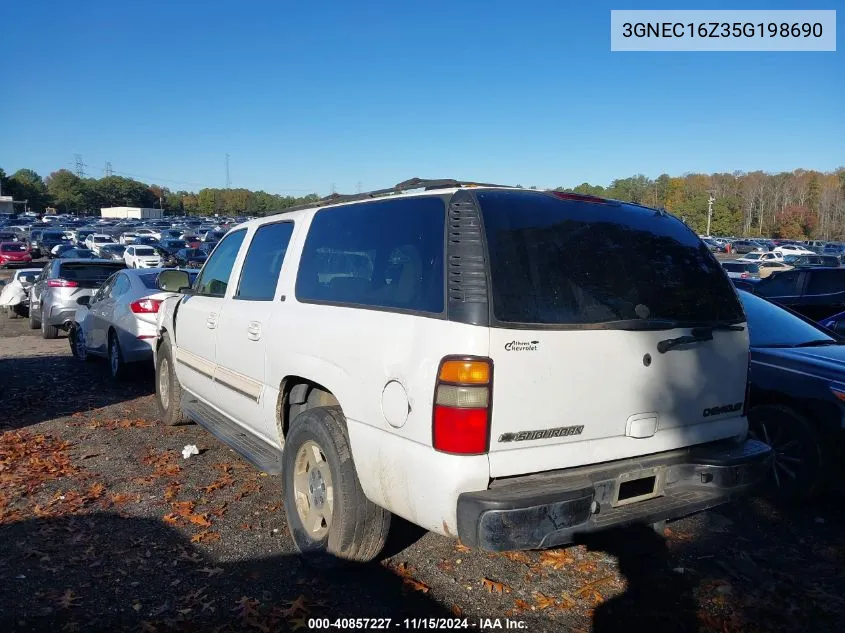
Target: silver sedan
[119,322]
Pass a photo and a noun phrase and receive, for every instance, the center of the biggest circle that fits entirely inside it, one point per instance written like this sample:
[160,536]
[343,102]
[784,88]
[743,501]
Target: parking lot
[104,525]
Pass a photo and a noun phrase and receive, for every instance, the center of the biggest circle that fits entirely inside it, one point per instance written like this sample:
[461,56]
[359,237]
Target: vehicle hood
[827,361]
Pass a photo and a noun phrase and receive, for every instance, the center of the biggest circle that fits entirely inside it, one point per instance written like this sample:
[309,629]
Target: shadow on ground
[34,389]
[105,572]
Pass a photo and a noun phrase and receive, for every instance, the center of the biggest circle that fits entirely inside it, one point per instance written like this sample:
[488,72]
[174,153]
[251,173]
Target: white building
[7,205]
[137,213]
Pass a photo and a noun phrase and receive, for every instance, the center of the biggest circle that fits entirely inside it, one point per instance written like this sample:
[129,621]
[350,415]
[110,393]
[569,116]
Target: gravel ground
[105,527]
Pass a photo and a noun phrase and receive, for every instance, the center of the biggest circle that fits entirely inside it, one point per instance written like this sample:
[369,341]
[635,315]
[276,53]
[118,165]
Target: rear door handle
[253,331]
[211,321]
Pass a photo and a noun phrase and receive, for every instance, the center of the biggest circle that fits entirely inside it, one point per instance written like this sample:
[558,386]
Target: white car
[127,237]
[792,249]
[141,257]
[119,320]
[763,256]
[524,381]
[95,240]
[14,296]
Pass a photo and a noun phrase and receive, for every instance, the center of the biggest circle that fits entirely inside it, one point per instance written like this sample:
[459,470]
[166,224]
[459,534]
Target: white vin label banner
[726,30]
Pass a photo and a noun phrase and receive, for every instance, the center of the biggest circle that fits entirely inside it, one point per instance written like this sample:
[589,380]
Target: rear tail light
[61,283]
[145,306]
[462,397]
[744,275]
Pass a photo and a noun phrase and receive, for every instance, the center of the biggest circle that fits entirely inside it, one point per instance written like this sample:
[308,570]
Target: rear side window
[568,262]
[823,282]
[215,276]
[263,261]
[385,254]
[783,284]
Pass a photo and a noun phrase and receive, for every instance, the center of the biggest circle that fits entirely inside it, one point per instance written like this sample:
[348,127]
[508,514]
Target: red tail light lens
[744,275]
[61,283]
[145,306]
[462,399]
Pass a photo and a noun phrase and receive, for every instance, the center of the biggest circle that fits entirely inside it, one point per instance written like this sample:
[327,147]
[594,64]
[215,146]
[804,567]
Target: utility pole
[359,186]
[79,166]
[228,180]
[108,170]
[333,190]
[710,200]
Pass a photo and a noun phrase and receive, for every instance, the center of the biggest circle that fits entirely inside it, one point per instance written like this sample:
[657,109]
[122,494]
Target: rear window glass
[824,282]
[738,267]
[53,235]
[144,252]
[12,248]
[569,262]
[83,272]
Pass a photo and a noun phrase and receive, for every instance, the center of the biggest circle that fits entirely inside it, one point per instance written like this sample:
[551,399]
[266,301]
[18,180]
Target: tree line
[800,204]
[66,192]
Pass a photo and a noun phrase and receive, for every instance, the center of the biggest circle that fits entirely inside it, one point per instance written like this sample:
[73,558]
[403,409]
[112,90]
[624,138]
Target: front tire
[329,518]
[798,454]
[168,389]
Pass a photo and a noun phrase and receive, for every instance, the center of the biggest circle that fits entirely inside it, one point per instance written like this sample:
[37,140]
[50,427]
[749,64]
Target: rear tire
[34,323]
[329,518]
[117,366]
[799,457]
[49,331]
[76,339]
[168,389]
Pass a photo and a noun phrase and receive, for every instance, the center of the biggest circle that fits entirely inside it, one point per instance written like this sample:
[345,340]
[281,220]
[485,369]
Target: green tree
[26,184]
[66,191]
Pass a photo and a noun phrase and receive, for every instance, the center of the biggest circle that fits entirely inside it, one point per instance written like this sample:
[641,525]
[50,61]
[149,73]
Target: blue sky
[304,96]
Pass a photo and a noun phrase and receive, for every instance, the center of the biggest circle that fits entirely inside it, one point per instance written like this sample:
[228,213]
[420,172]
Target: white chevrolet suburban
[506,366]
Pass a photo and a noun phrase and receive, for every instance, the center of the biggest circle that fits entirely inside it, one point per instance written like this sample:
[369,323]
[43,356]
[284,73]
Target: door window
[263,261]
[120,287]
[214,278]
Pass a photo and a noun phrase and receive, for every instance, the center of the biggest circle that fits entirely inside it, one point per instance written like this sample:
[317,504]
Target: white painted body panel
[598,379]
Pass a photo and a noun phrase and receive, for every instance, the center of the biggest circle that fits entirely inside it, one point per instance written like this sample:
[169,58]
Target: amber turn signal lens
[465,372]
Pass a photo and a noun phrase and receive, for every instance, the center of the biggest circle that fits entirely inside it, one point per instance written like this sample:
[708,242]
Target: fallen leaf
[556,558]
[171,491]
[172,518]
[183,508]
[463,549]
[416,585]
[457,611]
[69,599]
[517,557]
[199,519]
[522,605]
[494,587]
[296,607]
[543,601]
[205,536]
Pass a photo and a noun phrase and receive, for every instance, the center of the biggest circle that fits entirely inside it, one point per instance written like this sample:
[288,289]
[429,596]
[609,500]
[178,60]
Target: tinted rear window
[144,252]
[87,274]
[567,262]
[12,248]
[738,267]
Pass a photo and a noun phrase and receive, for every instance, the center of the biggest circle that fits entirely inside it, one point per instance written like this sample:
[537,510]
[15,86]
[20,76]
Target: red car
[14,253]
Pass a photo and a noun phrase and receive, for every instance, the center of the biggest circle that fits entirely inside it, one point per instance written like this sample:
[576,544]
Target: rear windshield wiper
[696,335]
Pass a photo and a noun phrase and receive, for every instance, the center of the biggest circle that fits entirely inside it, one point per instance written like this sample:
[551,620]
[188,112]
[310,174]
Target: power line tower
[79,166]
[228,180]
[359,186]
[108,170]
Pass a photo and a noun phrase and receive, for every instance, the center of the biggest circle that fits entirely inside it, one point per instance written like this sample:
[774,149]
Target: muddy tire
[329,518]
[168,389]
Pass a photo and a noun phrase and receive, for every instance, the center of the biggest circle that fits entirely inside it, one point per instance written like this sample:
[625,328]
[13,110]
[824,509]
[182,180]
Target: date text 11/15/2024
[440,624]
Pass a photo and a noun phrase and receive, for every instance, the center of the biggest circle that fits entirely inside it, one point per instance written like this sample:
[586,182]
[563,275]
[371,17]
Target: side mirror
[839,327]
[174,280]
[84,300]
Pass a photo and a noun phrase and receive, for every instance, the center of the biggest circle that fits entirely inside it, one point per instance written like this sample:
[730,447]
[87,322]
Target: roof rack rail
[428,184]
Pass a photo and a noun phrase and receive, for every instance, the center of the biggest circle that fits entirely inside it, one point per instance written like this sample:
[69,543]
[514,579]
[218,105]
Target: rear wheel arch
[298,394]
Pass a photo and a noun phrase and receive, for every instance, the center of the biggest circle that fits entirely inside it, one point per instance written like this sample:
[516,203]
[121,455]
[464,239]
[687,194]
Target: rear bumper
[550,509]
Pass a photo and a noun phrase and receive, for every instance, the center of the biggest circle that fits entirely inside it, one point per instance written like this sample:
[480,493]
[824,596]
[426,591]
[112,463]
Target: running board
[253,449]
